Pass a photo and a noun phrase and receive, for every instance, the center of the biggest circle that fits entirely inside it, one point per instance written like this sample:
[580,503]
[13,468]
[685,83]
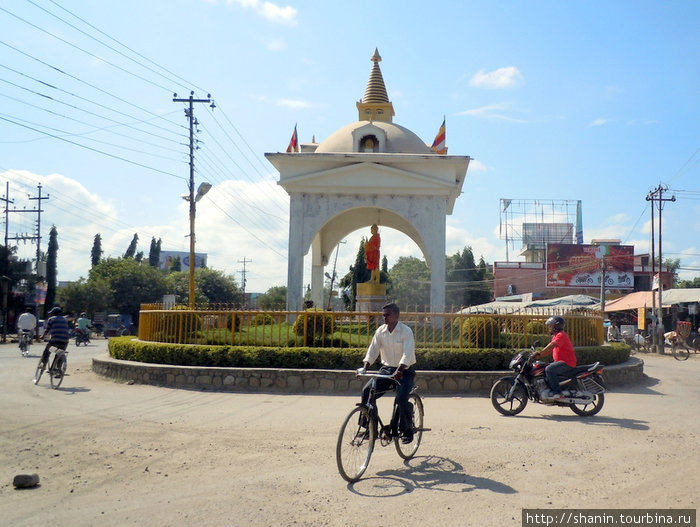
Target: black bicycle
[57,369]
[363,426]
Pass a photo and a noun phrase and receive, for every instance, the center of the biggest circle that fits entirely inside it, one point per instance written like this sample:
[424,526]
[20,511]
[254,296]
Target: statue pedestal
[370,297]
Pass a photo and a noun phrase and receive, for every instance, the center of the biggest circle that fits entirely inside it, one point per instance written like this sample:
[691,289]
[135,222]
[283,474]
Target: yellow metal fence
[351,329]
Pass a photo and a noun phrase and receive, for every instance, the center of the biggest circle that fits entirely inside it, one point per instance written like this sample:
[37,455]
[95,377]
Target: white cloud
[274,13]
[282,15]
[598,122]
[293,103]
[493,112]
[476,166]
[498,79]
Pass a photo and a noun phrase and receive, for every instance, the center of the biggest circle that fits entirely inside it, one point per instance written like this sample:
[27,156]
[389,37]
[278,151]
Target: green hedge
[127,348]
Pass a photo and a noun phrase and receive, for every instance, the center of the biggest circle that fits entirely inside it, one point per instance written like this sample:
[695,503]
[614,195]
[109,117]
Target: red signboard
[582,265]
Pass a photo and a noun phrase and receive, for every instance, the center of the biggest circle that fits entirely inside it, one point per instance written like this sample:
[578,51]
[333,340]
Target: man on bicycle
[57,327]
[393,342]
[26,322]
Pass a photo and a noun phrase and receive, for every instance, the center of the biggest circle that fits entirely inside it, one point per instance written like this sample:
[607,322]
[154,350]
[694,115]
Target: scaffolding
[537,222]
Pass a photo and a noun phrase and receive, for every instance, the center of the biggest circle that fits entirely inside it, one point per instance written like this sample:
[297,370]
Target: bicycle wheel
[408,450]
[39,371]
[58,371]
[680,351]
[355,444]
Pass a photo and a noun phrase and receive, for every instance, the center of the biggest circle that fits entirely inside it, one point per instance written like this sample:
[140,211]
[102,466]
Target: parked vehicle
[583,390]
[114,327]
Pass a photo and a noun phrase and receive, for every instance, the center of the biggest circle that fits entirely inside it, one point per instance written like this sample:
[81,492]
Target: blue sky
[594,101]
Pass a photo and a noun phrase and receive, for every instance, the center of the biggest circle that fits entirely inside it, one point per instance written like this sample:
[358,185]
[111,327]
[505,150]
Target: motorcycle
[82,337]
[583,391]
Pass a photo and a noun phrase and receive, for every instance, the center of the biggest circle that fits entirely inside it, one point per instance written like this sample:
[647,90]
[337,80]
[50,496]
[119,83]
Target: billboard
[581,265]
[167,258]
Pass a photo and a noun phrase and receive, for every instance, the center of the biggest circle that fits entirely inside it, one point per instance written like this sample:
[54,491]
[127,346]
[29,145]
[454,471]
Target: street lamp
[192,198]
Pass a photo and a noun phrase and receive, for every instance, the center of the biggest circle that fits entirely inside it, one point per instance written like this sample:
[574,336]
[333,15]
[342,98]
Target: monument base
[370,297]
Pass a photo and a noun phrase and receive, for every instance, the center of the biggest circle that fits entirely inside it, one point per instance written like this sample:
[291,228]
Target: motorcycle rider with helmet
[564,358]
[83,326]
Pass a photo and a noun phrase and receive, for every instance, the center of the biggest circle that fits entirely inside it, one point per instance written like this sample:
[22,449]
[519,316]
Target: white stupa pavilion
[372,171]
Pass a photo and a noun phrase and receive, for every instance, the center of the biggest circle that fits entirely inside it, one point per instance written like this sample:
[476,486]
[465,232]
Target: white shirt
[26,321]
[395,347]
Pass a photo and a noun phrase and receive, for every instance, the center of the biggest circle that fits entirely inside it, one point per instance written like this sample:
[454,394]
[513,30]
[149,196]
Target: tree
[91,296]
[273,298]
[131,250]
[176,266]
[51,269]
[410,283]
[96,253]
[672,265]
[467,283]
[154,253]
[689,284]
[130,283]
[211,287]
[358,274]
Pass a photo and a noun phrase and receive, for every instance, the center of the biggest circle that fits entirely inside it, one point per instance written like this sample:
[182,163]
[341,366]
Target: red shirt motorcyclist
[563,355]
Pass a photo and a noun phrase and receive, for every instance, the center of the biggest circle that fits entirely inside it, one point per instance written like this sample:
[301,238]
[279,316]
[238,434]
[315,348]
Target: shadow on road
[601,420]
[426,472]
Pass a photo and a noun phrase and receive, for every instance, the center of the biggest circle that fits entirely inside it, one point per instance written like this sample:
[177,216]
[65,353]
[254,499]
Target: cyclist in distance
[393,342]
[563,357]
[26,321]
[57,327]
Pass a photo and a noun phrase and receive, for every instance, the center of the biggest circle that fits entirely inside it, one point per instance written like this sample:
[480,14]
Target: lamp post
[203,188]
[193,199]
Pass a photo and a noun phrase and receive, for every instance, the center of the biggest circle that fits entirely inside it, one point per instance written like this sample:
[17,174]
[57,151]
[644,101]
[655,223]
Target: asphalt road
[112,454]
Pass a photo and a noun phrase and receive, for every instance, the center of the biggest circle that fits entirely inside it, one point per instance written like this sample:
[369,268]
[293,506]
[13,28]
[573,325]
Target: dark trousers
[47,353]
[403,390]
[556,372]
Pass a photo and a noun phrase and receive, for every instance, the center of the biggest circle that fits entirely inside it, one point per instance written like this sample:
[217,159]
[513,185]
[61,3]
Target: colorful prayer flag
[439,143]
[293,142]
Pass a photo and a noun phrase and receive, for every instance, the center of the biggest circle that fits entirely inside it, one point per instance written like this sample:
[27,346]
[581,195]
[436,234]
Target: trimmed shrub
[318,324]
[128,348]
[536,327]
[263,319]
[479,332]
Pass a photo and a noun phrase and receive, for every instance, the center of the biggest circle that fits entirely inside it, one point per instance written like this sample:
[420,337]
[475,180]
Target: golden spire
[375,105]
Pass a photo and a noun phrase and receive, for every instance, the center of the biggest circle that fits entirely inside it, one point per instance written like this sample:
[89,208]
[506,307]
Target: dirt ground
[112,454]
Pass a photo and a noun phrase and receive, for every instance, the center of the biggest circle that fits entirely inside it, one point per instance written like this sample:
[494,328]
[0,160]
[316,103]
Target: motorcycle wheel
[499,397]
[592,408]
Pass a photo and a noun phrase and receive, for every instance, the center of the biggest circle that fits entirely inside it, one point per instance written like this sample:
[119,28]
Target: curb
[316,382]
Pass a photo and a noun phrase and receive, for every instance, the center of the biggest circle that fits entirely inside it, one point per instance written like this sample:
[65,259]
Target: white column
[437,256]
[295,257]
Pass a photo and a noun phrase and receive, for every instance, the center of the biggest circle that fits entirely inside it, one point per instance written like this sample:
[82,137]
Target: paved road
[111,454]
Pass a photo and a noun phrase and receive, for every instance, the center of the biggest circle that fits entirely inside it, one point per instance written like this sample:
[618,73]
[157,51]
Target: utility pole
[602,285]
[38,225]
[5,277]
[189,113]
[657,195]
[24,237]
[243,272]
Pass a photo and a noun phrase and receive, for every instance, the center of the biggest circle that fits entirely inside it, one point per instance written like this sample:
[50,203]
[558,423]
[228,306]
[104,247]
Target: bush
[536,327]
[319,324]
[128,348]
[263,319]
[479,332]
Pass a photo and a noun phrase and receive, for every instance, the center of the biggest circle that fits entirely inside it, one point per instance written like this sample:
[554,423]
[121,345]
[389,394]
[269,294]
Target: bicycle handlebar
[362,373]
